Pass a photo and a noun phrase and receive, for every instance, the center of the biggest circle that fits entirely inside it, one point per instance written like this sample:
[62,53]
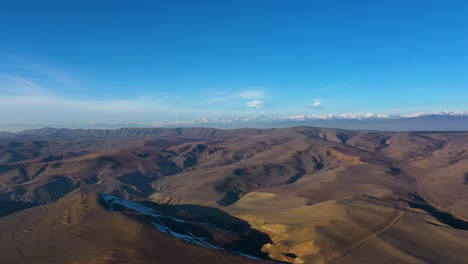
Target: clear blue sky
[139,61]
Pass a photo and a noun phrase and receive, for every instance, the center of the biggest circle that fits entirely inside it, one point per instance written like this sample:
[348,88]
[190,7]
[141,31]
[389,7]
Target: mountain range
[445,120]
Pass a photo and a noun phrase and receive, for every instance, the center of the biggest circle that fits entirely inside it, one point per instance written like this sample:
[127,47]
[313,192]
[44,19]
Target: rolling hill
[307,195]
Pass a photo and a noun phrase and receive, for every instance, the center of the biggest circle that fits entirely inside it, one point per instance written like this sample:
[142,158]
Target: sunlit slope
[354,229]
[317,233]
[415,238]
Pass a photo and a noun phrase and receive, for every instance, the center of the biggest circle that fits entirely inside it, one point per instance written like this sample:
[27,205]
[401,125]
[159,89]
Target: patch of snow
[158,223]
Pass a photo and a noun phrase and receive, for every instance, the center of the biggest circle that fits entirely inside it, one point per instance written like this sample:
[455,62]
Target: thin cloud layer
[226,96]
[332,86]
[254,94]
[12,84]
[55,109]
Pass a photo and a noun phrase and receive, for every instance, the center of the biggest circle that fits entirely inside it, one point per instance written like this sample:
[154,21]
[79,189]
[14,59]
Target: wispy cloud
[256,104]
[56,109]
[32,92]
[28,99]
[331,86]
[226,96]
[254,94]
[59,76]
[52,75]
[249,98]
[12,84]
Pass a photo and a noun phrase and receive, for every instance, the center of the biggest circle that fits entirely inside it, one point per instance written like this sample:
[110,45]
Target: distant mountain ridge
[442,121]
[305,117]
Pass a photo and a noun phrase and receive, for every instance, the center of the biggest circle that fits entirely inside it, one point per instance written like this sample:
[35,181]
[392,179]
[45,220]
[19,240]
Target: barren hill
[321,195]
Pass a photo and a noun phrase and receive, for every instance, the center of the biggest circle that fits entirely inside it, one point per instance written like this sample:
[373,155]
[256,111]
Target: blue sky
[141,61]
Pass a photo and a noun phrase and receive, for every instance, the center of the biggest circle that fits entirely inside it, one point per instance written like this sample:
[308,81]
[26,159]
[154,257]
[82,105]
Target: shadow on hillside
[200,225]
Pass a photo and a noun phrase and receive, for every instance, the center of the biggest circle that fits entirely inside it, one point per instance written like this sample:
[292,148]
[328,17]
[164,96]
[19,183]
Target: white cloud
[316,104]
[255,103]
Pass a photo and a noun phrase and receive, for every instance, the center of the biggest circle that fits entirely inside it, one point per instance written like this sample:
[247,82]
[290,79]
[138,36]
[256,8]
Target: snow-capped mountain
[304,118]
[441,121]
